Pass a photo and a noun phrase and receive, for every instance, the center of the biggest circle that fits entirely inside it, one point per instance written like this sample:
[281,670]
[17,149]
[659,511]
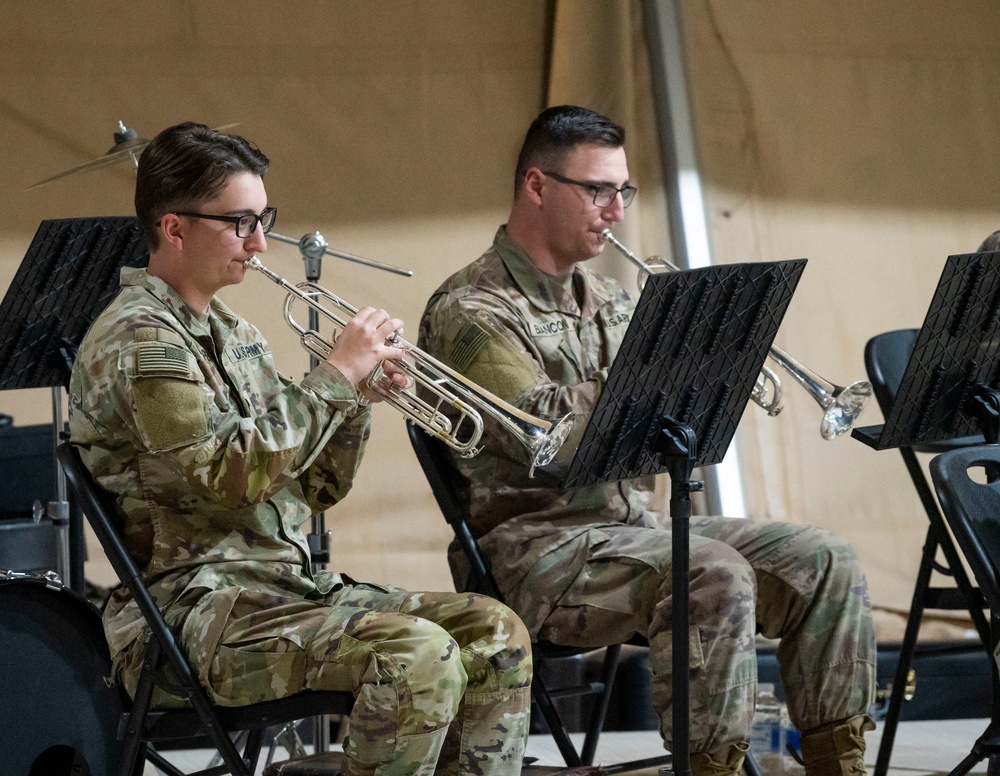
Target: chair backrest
[441,475]
[886,357]
[102,513]
[972,509]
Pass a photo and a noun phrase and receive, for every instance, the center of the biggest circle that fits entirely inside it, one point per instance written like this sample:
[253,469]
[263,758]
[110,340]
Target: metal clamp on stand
[58,513]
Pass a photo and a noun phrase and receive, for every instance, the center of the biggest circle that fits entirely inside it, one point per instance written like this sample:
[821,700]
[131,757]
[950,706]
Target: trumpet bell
[841,406]
[846,405]
[545,445]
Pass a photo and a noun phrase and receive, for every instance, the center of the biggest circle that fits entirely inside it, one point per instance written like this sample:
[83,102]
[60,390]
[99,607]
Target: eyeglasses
[604,193]
[246,225]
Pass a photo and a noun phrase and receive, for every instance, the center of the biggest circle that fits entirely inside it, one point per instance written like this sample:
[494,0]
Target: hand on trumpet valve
[387,379]
[364,346]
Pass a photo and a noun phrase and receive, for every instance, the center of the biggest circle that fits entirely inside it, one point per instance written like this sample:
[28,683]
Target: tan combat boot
[727,761]
[836,749]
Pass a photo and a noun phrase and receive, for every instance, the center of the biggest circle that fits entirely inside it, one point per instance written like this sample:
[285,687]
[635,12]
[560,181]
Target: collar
[219,316]
[547,292]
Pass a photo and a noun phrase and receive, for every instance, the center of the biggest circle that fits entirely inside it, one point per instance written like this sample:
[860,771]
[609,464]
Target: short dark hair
[185,165]
[991,243]
[557,131]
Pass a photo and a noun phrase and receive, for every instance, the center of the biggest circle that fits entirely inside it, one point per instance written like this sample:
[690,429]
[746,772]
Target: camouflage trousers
[442,680]
[800,584]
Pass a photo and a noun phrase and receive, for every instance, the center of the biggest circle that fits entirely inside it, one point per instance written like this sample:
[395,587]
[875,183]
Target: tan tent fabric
[852,136]
[862,136]
[600,61]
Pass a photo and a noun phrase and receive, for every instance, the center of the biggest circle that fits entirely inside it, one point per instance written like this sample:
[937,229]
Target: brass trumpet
[841,406]
[447,387]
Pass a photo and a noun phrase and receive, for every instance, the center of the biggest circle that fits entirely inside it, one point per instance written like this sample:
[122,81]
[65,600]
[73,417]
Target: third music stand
[951,386]
[674,396]
[950,390]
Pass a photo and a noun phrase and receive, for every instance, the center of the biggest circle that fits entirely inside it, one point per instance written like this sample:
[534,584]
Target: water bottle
[790,737]
[766,739]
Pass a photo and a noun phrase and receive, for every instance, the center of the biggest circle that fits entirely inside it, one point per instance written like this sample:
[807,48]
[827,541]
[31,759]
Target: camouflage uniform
[217,461]
[591,566]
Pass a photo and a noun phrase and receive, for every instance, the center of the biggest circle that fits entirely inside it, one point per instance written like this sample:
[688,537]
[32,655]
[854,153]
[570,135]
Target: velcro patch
[468,343]
[157,358]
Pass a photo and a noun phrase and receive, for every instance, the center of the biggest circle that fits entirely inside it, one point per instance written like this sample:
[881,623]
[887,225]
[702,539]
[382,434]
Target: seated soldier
[591,566]
[217,461]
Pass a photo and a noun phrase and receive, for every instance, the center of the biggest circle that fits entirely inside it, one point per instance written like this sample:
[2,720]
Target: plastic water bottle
[766,735]
[790,737]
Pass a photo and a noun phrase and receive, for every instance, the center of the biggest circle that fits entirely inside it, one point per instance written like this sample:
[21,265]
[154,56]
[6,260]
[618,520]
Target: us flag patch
[468,344]
[162,359]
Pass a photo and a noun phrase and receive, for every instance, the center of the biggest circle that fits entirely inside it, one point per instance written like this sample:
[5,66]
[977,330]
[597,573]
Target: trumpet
[447,388]
[841,406]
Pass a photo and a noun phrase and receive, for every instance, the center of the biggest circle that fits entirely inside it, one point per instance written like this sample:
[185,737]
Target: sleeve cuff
[329,383]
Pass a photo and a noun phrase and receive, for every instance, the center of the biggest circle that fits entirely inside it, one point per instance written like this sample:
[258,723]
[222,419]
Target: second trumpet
[447,388]
[841,406]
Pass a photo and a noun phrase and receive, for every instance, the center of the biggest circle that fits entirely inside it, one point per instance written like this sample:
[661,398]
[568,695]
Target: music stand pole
[681,453]
[312,247]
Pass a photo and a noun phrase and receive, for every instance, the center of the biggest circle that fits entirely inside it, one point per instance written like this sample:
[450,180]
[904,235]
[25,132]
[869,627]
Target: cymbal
[128,146]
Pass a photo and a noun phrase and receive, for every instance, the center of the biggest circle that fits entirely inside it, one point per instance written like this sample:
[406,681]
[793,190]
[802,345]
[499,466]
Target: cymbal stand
[313,247]
[58,511]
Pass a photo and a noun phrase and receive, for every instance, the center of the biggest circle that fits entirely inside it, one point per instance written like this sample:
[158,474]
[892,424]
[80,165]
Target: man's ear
[171,232]
[534,182]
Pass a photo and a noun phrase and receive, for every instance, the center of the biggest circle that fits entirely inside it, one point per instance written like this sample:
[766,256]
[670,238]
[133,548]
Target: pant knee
[722,587]
[413,673]
[499,658]
[827,565]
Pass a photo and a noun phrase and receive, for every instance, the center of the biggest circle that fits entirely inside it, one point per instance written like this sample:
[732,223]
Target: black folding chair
[886,358]
[441,475]
[143,726]
[968,486]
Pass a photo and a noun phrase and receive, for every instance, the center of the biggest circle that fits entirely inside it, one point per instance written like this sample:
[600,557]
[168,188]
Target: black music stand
[951,386]
[950,389]
[68,275]
[675,394]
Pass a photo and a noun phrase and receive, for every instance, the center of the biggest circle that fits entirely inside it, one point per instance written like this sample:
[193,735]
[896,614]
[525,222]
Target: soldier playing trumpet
[589,567]
[217,461]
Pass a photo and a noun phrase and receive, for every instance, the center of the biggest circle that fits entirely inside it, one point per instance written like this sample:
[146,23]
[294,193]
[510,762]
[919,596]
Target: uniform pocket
[251,646]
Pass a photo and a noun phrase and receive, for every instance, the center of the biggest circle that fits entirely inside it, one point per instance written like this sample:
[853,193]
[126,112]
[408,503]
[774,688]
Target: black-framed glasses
[246,225]
[604,193]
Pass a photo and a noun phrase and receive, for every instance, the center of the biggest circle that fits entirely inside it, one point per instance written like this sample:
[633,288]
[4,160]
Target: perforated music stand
[674,396]
[950,390]
[68,275]
[951,386]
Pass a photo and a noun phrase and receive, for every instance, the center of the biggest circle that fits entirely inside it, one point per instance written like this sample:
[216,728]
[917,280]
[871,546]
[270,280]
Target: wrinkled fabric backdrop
[861,136]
